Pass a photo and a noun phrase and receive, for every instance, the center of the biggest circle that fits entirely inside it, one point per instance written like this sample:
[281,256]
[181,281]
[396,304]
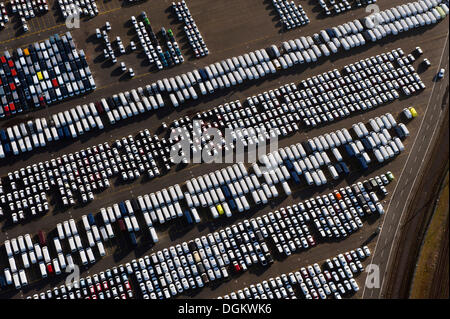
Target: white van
[101,249]
[62,261]
[25,260]
[45,254]
[90,255]
[286,188]
[57,245]
[153,234]
[43,269]
[56,267]
[23,277]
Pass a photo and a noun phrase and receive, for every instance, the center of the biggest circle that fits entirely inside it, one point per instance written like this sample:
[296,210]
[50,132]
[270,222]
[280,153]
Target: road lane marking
[401,174]
[415,178]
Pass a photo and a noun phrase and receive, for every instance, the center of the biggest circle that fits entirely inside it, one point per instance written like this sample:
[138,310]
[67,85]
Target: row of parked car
[306,165]
[326,42]
[92,175]
[27,9]
[333,7]
[330,96]
[195,39]
[77,121]
[339,214]
[66,245]
[112,283]
[196,77]
[403,18]
[251,120]
[71,8]
[36,134]
[211,83]
[379,140]
[109,52]
[193,264]
[3,15]
[235,183]
[76,177]
[150,150]
[291,15]
[335,279]
[43,73]
[230,115]
[36,258]
[176,269]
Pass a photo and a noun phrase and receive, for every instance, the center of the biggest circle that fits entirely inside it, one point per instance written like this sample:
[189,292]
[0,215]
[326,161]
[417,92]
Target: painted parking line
[32,33]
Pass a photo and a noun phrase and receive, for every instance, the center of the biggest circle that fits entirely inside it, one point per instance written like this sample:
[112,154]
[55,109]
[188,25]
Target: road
[411,171]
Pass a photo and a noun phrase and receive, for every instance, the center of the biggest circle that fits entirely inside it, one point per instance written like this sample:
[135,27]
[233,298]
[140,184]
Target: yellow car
[441,12]
[220,209]
[40,77]
[413,112]
[26,52]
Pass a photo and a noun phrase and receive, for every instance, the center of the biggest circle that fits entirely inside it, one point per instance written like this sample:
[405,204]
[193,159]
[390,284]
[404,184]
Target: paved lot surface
[231,28]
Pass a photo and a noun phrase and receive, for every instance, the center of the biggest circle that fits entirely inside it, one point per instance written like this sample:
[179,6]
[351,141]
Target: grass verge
[430,261]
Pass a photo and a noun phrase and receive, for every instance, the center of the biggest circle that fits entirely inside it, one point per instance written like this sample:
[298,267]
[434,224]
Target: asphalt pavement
[231,28]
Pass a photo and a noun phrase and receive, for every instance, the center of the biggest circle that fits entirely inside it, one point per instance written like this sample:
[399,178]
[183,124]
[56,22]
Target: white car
[441,73]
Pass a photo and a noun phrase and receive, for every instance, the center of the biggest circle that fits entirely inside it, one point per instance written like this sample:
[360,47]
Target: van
[153,234]
[43,269]
[101,248]
[286,188]
[90,255]
[23,277]
[333,172]
[56,267]
[308,178]
[83,257]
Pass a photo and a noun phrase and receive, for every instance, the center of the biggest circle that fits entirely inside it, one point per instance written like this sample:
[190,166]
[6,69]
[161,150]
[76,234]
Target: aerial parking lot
[109,127]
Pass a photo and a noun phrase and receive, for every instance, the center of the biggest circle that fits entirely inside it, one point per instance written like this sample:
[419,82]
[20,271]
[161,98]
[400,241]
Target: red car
[92,289]
[304,272]
[311,240]
[338,195]
[99,107]
[41,101]
[348,257]
[105,285]
[50,268]
[236,266]
[41,236]
[122,225]
[127,285]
